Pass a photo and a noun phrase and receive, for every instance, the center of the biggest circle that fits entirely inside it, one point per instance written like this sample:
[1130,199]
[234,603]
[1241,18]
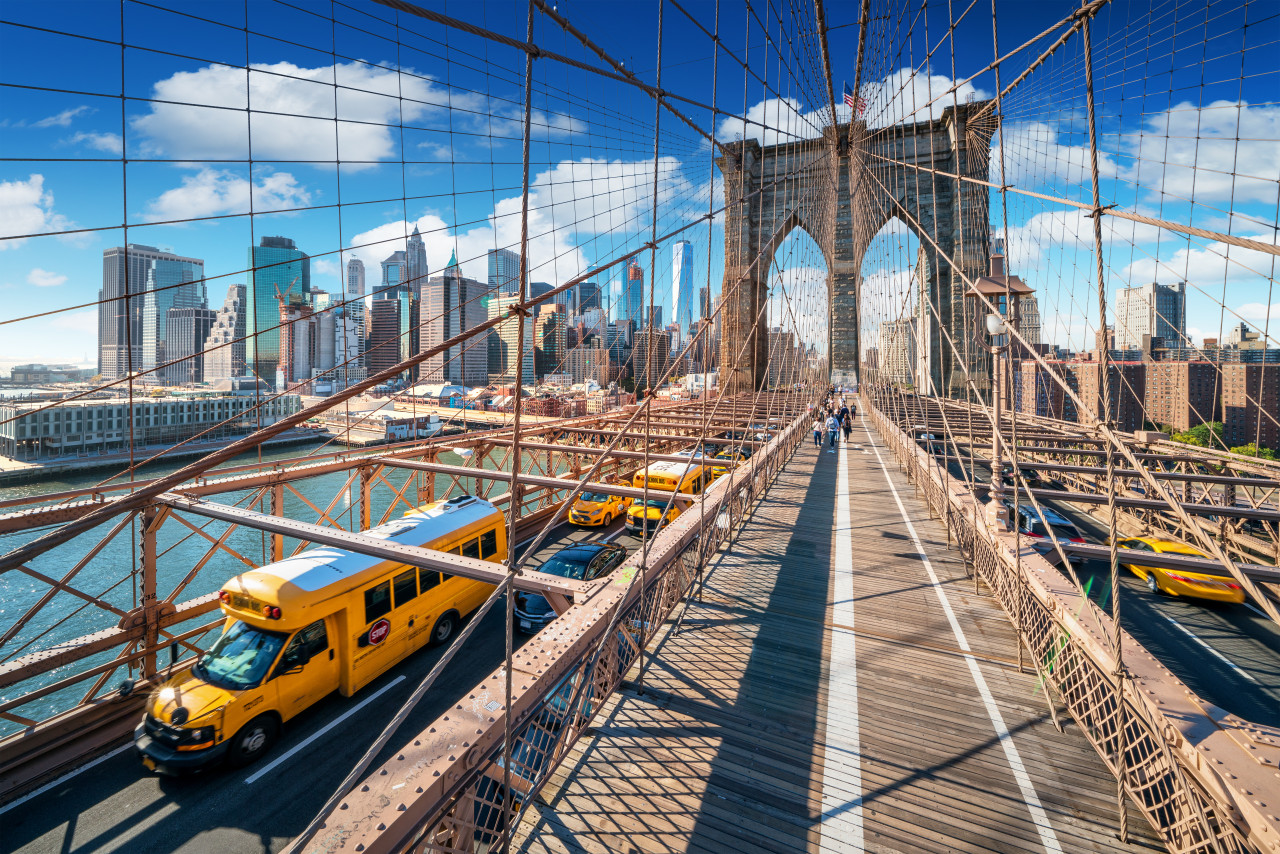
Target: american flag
[859,105]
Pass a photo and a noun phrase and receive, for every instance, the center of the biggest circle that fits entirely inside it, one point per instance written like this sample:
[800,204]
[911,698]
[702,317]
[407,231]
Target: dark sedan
[581,562]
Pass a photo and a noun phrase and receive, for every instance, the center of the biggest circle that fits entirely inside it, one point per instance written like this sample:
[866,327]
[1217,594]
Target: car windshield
[660,503]
[240,658]
[593,496]
[566,566]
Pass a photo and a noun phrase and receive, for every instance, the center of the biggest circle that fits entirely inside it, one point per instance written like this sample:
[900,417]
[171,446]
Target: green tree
[1252,450]
[1188,439]
[1209,435]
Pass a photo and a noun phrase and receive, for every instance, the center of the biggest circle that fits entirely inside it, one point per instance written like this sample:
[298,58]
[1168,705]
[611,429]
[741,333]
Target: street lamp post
[997,512]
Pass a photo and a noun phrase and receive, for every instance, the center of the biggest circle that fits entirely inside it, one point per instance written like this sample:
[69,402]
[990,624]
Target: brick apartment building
[1183,394]
[1251,404]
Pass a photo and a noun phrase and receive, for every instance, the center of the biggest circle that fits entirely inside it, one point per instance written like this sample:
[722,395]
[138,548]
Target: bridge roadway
[1228,654]
[115,805]
[839,687]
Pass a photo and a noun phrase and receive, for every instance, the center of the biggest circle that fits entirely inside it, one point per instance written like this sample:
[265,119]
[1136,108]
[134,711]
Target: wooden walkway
[840,688]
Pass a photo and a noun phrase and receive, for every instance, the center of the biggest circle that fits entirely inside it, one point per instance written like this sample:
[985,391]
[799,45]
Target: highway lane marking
[288,754]
[1257,611]
[842,823]
[64,778]
[1048,838]
[1211,650]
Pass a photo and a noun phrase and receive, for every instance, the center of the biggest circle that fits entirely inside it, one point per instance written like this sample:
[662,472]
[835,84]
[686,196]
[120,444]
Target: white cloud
[211,192]
[62,119]
[1260,312]
[77,321]
[904,97]
[1207,264]
[783,120]
[293,110]
[45,279]
[1034,154]
[800,304]
[108,142]
[27,208]
[570,201]
[1225,151]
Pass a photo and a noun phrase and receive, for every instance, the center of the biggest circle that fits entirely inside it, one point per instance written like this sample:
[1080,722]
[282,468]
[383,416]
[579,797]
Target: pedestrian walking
[833,427]
[847,424]
[817,433]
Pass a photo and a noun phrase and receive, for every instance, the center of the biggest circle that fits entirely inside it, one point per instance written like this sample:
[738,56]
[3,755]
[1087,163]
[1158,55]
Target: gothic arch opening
[798,307]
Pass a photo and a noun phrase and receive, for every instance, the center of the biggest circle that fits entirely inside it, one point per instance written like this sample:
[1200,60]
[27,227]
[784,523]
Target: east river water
[114,574]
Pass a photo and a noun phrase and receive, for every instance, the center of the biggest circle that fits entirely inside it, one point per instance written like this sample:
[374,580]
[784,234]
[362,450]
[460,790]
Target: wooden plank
[725,749]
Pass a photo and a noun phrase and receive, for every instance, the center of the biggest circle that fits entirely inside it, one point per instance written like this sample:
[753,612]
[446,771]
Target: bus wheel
[444,628]
[254,739]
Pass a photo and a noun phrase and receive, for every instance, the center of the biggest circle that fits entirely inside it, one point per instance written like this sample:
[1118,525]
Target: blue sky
[183,127]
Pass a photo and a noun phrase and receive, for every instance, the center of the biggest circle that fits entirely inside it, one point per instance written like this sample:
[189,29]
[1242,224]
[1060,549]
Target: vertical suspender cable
[519,311]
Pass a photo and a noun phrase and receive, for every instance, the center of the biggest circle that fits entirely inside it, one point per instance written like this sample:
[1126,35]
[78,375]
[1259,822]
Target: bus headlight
[197,739]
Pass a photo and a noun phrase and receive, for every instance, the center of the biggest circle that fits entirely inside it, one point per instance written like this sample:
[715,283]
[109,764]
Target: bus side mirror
[126,687]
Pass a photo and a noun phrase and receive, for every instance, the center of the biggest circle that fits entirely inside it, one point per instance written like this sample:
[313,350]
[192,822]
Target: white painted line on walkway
[841,827]
[288,754]
[64,778]
[1048,838]
[1211,650]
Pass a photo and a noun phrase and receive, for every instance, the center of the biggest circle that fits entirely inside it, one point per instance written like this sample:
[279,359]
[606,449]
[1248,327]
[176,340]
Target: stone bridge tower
[842,188]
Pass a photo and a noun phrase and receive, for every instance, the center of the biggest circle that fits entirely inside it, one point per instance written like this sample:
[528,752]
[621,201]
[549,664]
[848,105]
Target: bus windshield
[240,658]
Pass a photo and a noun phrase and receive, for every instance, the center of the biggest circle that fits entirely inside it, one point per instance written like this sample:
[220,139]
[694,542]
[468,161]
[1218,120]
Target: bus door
[307,669]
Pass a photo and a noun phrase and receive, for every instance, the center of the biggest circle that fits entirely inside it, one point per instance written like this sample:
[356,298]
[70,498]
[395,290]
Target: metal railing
[447,789]
[1205,780]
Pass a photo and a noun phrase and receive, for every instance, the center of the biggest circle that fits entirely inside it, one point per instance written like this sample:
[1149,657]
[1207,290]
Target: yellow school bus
[669,476]
[326,619]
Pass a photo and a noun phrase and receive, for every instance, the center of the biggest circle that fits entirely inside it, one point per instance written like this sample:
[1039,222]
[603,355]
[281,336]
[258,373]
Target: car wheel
[254,739]
[1152,584]
[444,628]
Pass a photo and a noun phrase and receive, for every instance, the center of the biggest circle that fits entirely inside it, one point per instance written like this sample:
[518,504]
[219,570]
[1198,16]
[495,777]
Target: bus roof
[672,468]
[322,566]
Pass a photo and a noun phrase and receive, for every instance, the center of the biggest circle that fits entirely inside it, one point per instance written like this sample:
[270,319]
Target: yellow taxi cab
[653,514]
[594,509]
[1178,582]
[668,476]
[730,457]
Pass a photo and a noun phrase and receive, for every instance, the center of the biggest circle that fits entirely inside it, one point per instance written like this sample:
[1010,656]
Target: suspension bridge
[899,375]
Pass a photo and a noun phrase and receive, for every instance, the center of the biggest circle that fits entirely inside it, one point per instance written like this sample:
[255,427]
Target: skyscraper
[633,297]
[504,271]
[279,273]
[1153,309]
[512,358]
[588,296]
[394,276]
[348,347]
[450,306]
[224,348]
[682,287]
[415,262]
[172,282]
[126,272]
[704,303]
[186,330]
[551,342]
[355,278]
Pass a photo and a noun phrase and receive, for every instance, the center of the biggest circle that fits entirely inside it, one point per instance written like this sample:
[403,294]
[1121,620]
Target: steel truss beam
[451,564]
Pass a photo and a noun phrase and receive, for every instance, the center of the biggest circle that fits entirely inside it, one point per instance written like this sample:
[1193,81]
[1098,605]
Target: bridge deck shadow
[741,724]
